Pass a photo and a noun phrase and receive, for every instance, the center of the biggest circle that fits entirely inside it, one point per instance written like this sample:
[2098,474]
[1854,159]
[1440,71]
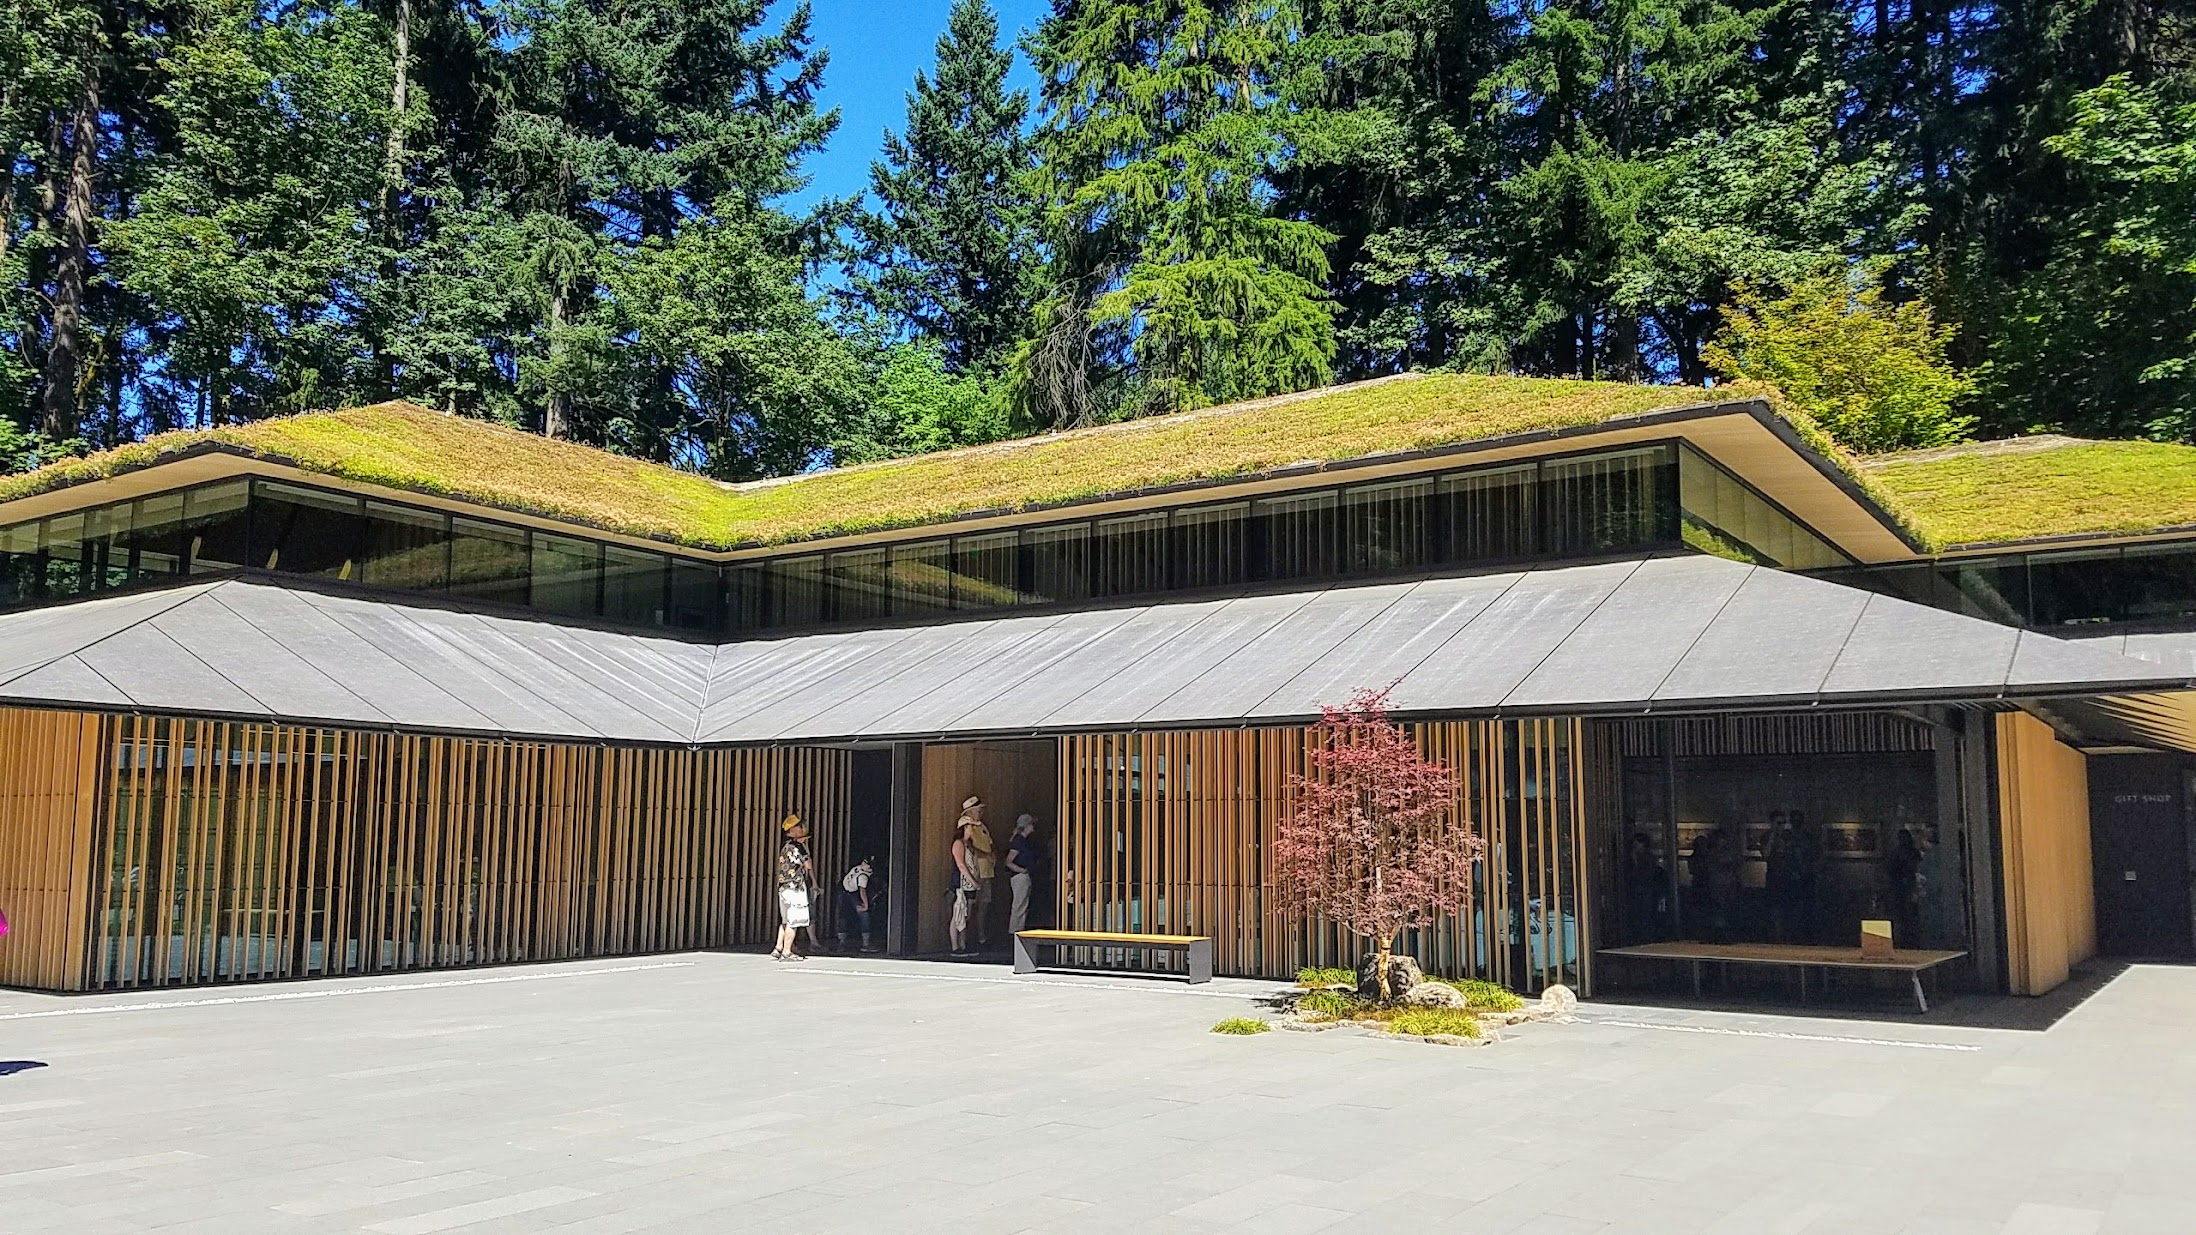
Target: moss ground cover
[2028,488]
[406,446]
[1241,1026]
[1978,493]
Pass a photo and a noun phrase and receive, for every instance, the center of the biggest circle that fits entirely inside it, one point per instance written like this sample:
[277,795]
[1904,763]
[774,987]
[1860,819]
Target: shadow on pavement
[1949,1010]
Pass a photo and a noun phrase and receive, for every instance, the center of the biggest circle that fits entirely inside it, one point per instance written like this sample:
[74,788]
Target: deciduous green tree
[1870,371]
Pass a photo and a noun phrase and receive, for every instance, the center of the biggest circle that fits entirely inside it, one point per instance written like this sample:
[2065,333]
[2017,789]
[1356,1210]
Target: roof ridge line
[182,593]
[270,637]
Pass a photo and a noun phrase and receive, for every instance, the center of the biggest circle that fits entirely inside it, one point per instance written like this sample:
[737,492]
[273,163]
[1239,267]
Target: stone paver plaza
[718,1092]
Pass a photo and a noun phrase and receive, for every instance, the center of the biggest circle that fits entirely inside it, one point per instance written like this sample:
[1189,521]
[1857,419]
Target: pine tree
[950,257]
[1402,174]
[1164,127]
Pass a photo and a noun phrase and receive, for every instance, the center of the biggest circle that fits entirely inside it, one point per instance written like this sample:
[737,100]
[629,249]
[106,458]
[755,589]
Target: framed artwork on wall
[1853,840]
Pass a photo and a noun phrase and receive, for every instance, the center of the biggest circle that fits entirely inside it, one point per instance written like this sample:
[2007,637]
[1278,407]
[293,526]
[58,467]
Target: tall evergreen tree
[950,254]
[1164,127]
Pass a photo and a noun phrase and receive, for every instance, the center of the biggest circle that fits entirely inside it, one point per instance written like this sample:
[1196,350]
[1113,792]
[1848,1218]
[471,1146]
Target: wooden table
[1912,962]
[1197,947]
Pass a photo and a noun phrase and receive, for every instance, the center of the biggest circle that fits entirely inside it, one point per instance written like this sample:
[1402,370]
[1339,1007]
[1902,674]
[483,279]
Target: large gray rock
[1434,995]
[1403,974]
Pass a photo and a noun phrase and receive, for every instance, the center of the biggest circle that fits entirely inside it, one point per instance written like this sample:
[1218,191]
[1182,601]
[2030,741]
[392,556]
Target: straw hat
[792,821]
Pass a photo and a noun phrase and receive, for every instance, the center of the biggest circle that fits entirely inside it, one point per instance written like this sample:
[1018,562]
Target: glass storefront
[1796,839]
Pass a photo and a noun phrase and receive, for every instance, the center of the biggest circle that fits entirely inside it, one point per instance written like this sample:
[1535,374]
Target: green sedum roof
[2037,487]
[405,446]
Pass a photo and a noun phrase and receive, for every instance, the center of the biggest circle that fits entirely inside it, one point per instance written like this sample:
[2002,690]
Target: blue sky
[876,48]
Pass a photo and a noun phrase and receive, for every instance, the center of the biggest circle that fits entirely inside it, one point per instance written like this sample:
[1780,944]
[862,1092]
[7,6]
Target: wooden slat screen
[48,792]
[1166,831]
[230,851]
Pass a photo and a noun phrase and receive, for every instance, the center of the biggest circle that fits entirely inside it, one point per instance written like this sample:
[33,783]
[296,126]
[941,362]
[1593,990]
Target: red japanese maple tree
[1373,841]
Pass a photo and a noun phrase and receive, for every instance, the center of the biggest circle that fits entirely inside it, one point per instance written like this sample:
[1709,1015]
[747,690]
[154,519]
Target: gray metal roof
[1684,633]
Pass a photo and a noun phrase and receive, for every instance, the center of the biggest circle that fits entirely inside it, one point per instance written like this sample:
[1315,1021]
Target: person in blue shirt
[1024,862]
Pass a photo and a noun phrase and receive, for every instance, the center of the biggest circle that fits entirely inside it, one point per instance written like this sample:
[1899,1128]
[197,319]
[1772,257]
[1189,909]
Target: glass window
[697,595]
[747,597]
[797,591]
[987,571]
[1212,545]
[1724,517]
[105,554]
[216,520]
[305,531]
[489,562]
[405,548]
[2136,584]
[22,569]
[1131,554]
[2159,582]
[567,575]
[62,540]
[1388,527]
[921,581]
[2076,588]
[1297,534]
[632,585]
[1059,562]
[1994,589]
[857,582]
[1490,513]
[156,544]
[1609,501]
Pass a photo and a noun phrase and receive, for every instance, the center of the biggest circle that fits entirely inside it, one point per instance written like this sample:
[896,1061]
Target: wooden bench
[1912,962]
[1197,947]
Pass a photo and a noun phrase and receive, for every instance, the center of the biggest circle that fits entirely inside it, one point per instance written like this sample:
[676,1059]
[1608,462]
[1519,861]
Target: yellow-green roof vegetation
[2036,487]
[405,446]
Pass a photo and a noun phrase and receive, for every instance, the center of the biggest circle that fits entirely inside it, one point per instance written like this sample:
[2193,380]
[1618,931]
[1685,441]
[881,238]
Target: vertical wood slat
[45,842]
[1171,830]
[189,850]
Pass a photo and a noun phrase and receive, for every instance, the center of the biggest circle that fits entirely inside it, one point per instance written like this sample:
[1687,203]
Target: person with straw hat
[971,874]
[796,888]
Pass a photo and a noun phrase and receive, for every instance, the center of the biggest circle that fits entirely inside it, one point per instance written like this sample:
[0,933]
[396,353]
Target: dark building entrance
[2139,817]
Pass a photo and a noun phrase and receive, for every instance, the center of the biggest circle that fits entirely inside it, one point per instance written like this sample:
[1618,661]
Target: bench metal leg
[1696,979]
[1200,961]
[1920,1000]
[1025,957]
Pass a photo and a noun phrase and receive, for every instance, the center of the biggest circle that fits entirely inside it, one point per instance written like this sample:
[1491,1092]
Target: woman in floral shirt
[796,887]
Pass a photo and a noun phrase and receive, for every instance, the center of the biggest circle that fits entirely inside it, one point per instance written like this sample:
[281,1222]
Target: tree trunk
[7,181]
[1623,346]
[392,179]
[392,167]
[59,412]
[556,422]
[1383,956]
